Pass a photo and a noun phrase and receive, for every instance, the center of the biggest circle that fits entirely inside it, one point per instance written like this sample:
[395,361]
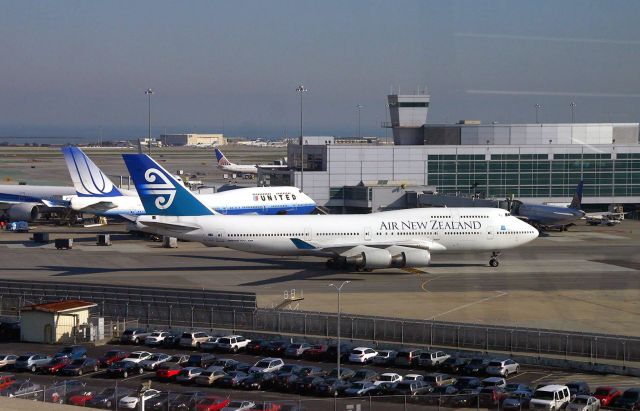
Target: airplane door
[490,232]
[367,233]
[217,236]
[307,234]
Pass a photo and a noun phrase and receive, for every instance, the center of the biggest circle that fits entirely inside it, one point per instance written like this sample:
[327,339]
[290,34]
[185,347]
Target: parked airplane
[226,165]
[544,216]
[403,238]
[96,194]
[25,203]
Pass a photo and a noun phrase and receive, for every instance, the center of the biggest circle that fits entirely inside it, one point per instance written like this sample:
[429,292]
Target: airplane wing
[100,206]
[344,248]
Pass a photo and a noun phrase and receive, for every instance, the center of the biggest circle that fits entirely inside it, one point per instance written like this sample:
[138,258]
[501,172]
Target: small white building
[54,322]
[192,140]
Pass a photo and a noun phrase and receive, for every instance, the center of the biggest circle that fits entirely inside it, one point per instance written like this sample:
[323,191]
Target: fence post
[624,354]
[326,318]
[566,347]
[170,312]
[431,334]
[234,320]
[352,330]
[211,319]
[402,342]
[192,319]
[374,333]
[148,315]
[126,312]
[487,341]
[305,325]
[279,320]
[1,304]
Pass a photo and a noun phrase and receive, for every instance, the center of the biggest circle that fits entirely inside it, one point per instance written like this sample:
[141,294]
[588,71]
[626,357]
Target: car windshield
[631,395]
[602,391]
[224,341]
[580,400]
[262,364]
[155,357]
[294,346]
[77,362]
[67,350]
[127,332]
[543,395]
[476,361]
[387,377]
[24,358]
[155,335]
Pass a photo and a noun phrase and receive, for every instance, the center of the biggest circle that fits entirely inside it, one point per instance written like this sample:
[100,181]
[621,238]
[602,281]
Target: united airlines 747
[226,165]
[403,238]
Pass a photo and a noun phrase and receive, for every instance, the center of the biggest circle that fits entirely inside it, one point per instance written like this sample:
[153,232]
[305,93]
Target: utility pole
[359,107]
[301,89]
[339,289]
[573,111]
[149,92]
[538,107]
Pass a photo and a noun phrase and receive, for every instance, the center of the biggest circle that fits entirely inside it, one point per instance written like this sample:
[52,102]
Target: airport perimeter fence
[211,310]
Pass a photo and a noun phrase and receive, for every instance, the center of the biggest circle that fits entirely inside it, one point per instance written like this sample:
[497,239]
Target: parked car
[331,387]
[81,366]
[188,374]
[256,346]
[517,400]
[23,389]
[362,355]
[80,399]
[239,406]
[180,359]
[439,379]
[73,352]
[275,348]
[258,381]
[332,352]
[267,365]
[232,379]
[412,387]
[212,403]
[407,357]
[385,357]
[131,401]
[494,382]
[476,366]
[7,361]
[156,338]
[431,359]
[312,370]
[308,385]
[185,401]
[296,350]
[388,377]
[193,339]
[606,395]
[160,402]
[112,356]
[137,356]
[289,369]
[31,362]
[345,373]
[211,344]
[441,395]
[413,377]
[465,383]
[454,365]
[517,386]
[550,397]
[364,374]
[133,336]
[584,403]
[6,381]
[578,388]
[492,396]
[233,343]
[109,397]
[201,360]
[503,368]
[61,391]
[317,352]
[154,361]
[359,388]
[466,398]
[168,371]
[124,369]
[54,366]
[285,381]
[172,340]
[209,377]
[226,364]
[630,399]
[384,388]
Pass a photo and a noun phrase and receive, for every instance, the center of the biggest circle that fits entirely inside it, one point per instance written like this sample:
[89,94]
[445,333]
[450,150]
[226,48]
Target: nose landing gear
[493,261]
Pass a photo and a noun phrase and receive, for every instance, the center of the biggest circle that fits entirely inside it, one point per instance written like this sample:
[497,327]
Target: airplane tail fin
[576,202]
[222,159]
[160,192]
[88,179]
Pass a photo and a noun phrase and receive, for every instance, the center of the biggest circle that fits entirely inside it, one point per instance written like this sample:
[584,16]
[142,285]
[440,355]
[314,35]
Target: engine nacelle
[409,257]
[23,212]
[371,258]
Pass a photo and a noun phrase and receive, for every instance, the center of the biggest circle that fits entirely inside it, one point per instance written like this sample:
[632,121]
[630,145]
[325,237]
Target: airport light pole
[339,289]
[573,111]
[301,89]
[538,107]
[359,107]
[149,92]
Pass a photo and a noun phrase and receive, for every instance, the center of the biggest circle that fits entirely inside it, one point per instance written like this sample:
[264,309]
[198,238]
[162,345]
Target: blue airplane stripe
[302,245]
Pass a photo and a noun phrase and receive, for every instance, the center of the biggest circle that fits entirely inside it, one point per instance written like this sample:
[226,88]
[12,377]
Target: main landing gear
[493,261]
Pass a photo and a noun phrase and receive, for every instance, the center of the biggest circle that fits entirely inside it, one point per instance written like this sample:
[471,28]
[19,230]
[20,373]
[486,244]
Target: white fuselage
[240,169]
[435,229]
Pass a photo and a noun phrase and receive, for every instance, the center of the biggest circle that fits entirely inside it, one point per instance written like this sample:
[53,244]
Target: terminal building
[540,163]
[192,140]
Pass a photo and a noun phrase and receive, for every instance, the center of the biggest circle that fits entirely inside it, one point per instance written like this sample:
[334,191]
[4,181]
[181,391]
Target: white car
[584,403]
[188,374]
[362,355]
[156,338]
[388,378]
[131,402]
[7,360]
[413,377]
[432,358]
[152,362]
[239,406]
[233,343]
[267,365]
[138,356]
[503,368]
[193,339]
[550,398]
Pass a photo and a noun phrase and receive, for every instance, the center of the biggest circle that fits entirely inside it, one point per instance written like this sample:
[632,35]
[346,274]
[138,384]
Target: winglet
[576,202]
[159,191]
[302,245]
[222,160]
[88,179]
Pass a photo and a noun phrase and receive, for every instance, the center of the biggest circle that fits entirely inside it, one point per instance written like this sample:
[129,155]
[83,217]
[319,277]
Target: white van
[550,398]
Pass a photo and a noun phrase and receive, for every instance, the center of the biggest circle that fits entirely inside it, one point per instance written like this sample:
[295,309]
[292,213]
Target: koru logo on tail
[164,190]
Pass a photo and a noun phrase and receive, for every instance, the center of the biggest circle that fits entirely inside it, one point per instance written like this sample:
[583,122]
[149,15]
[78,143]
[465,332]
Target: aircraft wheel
[494,262]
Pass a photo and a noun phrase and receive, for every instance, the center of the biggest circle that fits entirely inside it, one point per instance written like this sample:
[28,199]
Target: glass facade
[535,175]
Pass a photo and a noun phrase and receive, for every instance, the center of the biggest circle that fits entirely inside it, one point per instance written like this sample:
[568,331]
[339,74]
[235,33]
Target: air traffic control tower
[408,113]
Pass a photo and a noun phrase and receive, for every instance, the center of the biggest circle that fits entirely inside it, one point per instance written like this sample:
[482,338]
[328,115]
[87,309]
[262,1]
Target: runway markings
[462,307]
[413,271]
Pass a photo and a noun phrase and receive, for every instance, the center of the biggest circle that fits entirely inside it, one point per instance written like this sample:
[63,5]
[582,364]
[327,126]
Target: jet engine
[23,212]
[370,258]
[408,257]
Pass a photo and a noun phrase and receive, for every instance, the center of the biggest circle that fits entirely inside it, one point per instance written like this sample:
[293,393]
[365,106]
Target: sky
[79,68]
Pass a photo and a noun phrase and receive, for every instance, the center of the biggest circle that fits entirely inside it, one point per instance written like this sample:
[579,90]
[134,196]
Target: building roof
[60,306]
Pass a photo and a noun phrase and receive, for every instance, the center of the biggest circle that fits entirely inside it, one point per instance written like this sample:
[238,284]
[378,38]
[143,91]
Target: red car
[80,399]
[212,403]
[6,381]
[267,406]
[55,365]
[168,371]
[112,356]
[606,395]
[317,352]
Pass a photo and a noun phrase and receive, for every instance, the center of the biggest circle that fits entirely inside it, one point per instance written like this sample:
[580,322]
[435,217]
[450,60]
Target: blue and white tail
[222,160]
[576,202]
[160,192]
[88,179]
